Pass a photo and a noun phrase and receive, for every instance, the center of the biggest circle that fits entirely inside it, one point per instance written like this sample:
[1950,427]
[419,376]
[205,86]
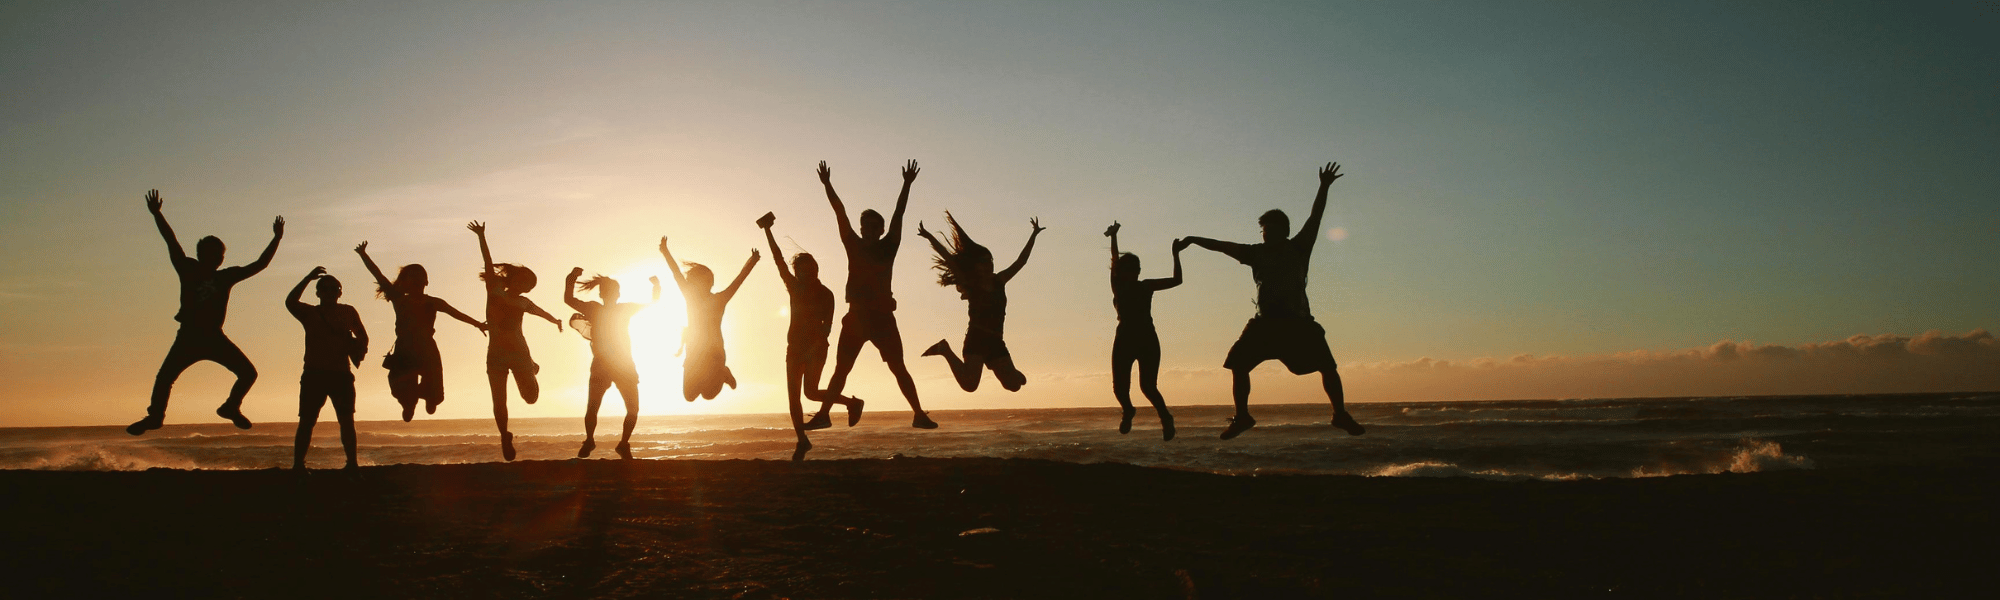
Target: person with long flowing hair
[805,341]
[964,264]
[507,349]
[416,371]
[1136,340]
[705,366]
[608,326]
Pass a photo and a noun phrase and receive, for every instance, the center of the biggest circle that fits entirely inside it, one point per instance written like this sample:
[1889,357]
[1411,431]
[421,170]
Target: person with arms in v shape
[871,305]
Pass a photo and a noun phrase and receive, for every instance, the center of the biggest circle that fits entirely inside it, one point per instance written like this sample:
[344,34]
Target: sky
[1542,200]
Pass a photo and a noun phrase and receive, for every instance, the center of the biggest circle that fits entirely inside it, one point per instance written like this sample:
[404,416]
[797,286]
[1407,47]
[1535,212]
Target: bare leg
[1121,387]
[1330,379]
[845,351]
[524,380]
[1240,386]
[496,379]
[1149,384]
[591,403]
[966,371]
[347,437]
[302,441]
[792,382]
[628,390]
[894,356]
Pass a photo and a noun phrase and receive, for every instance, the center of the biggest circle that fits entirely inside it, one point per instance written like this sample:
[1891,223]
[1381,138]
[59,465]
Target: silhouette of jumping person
[416,372]
[608,327]
[204,303]
[507,348]
[805,341]
[1283,328]
[705,368]
[1136,340]
[871,305]
[334,339]
[968,266]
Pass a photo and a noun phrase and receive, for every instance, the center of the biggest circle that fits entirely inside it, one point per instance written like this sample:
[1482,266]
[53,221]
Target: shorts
[798,352]
[614,371]
[316,387]
[510,354]
[1300,343]
[985,344]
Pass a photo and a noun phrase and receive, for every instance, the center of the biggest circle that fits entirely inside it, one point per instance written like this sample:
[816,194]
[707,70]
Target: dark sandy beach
[906,528]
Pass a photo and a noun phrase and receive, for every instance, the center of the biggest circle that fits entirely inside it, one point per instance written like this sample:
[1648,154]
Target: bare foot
[588,445]
[939,348]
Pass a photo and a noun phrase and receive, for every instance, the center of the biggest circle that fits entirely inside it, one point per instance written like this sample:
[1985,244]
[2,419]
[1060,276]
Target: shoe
[144,425]
[588,445]
[1166,428]
[624,450]
[1346,422]
[507,446]
[818,421]
[1238,425]
[923,421]
[937,349]
[1125,420]
[799,453]
[234,415]
[853,410]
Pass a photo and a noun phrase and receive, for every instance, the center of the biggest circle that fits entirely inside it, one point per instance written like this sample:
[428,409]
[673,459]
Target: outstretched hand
[924,233]
[825,174]
[655,280]
[575,272]
[1112,230]
[361,248]
[766,221]
[1181,244]
[316,273]
[153,201]
[1036,223]
[1329,173]
[477,227]
[278,226]
[663,244]
[910,171]
[754,255]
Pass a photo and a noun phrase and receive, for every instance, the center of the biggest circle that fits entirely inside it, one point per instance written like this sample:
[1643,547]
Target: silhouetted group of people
[1283,328]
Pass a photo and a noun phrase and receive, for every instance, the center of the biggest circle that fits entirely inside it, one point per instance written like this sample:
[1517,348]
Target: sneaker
[409,409]
[144,425]
[1346,422]
[234,415]
[1125,420]
[1166,428]
[507,446]
[939,348]
[799,453]
[818,421]
[853,410]
[588,445]
[624,450]
[1238,425]
[923,421]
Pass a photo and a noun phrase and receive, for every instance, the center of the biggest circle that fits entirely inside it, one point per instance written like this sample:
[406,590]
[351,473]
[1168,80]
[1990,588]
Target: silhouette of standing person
[968,266]
[204,303]
[1283,328]
[1136,340]
[805,341]
[705,368]
[334,339]
[871,305]
[416,372]
[608,327]
[507,348]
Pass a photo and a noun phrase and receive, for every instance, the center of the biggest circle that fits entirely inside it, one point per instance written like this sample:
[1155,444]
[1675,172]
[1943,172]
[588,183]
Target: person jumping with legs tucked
[805,342]
[416,372]
[335,338]
[507,349]
[1283,328]
[705,368]
[608,327]
[204,303]
[1136,339]
[871,305]
[968,266]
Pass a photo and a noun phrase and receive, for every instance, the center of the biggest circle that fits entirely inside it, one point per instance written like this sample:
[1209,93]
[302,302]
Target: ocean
[1520,439]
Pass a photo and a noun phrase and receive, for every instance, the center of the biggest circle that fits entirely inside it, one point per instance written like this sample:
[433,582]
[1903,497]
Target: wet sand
[989,528]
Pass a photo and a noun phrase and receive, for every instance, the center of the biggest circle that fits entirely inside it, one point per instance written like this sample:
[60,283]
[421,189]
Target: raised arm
[730,292]
[529,307]
[777,255]
[154,205]
[1309,231]
[569,291]
[1170,282]
[381,281]
[292,301]
[493,285]
[839,210]
[894,236]
[445,307]
[1232,249]
[680,281]
[1112,232]
[1008,274]
[270,251]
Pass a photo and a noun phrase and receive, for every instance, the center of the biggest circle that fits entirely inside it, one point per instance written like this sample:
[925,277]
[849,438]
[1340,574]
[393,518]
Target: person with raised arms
[968,266]
[335,338]
[1283,328]
[416,372]
[805,341]
[871,303]
[507,350]
[705,366]
[205,286]
[608,327]
[1136,339]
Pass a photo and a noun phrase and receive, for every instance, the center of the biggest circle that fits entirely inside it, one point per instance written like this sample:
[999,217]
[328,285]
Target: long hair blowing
[596,282]
[955,265]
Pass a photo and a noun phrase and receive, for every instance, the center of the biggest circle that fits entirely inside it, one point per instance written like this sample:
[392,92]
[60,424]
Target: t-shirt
[205,293]
[1134,301]
[812,311]
[329,334]
[611,332]
[1280,271]
[870,267]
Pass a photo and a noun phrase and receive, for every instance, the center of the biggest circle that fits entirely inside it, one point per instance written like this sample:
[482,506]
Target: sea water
[1523,439]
